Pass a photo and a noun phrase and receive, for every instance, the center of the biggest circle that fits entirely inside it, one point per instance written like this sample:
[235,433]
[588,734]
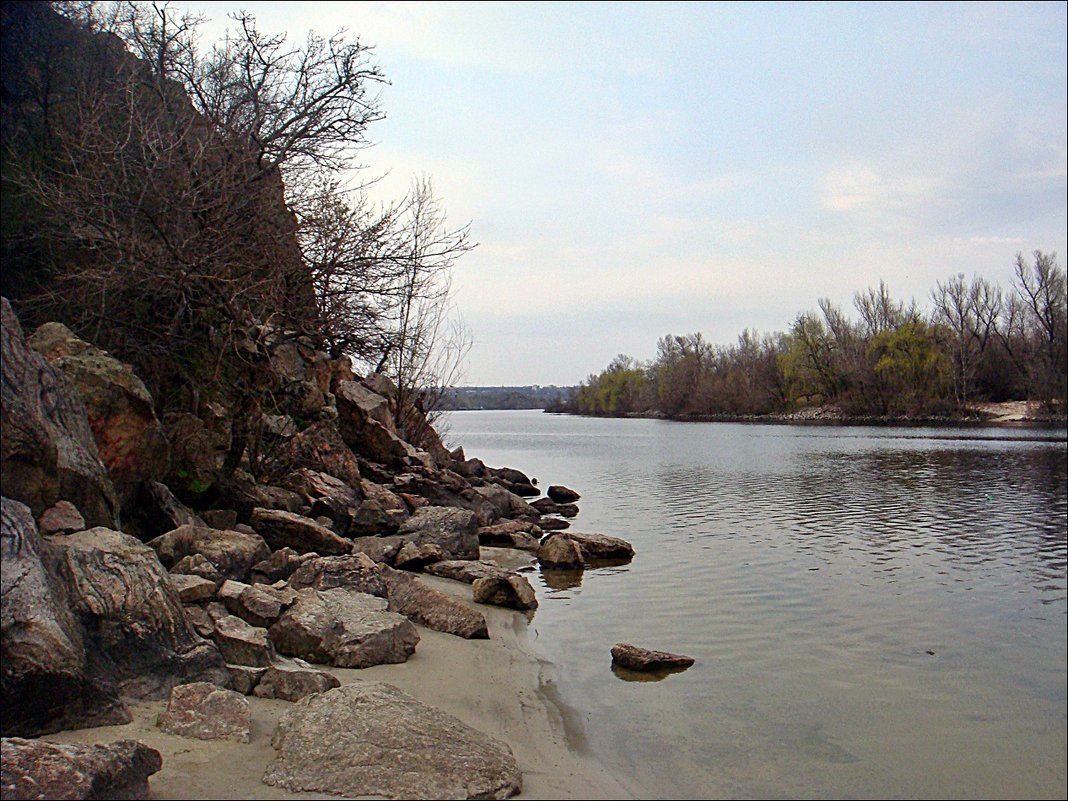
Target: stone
[292,679]
[356,572]
[562,494]
[514,480]
[129,438]
[505,503]
[197,564]
[198,451]
[63,518]
[245,678]
[131,613]
[244,495]
[634,658]
[512,591]
[222,519]
[259,606]
[371,519]
[547,506]
[200,620]
[282,564]
[47,450]
[343,628]
[560,552]
[325,495]
[232,552]
[321,448]
[523,536]
[370,739]
[206,712]
[192,588]
[286,529]
[34,769]
[49,682]
[383,550]
[366,424]
[242,644]
[602,548]
[553,524]
[455,531]
[428,607]
[467,570]
[412,556]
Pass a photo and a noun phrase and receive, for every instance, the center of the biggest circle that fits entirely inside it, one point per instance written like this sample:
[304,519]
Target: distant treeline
[530,397]
[976,342]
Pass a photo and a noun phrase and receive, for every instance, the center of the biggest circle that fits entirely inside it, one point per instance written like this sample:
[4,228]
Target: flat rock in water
[40,769]
[602,547]
[560,552]
[206,712]
[635,658]
[562,494]
[371,739]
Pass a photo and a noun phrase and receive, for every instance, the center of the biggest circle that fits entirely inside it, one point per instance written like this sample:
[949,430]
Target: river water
[875,612]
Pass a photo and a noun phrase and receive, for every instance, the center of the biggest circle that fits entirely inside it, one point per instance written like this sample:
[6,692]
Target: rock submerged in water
[642,659]
[370,739]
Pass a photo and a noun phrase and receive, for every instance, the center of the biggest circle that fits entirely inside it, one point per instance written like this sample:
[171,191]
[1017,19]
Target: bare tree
[1042,292]
[969,311]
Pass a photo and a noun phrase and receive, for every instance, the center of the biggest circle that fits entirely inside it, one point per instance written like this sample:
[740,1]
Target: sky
[631,171]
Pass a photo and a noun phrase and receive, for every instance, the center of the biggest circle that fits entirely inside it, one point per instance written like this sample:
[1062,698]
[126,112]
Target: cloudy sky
[633,170]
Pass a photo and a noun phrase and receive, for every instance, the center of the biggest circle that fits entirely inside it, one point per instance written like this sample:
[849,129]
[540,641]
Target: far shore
[498,686]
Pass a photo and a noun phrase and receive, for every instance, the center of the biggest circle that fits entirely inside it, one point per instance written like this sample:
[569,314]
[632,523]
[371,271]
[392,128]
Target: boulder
[48,681]
[634,658]
[455,531]
[343,628]
[206,712]
[511,591]
[467,570]
[242,494]
[258,605]
[34,769]
[192,588]
[383,550]
[412,556]
[561,494]
[553,524]
[505,503]
[198,452]
[287,529]
[547,506]
[242,644]
[47,450]
[292,679]
[198,565]
[232,552]
[245,678]
[131,613]
[560,552]
[428,607]
[524,536]
[282,564]
[370,739]
[325,495]
[373,519]
[356,572]
[222,519]
[513,480]
[129,438]
[321,448]
[602,548]
[63,518]
[366,425]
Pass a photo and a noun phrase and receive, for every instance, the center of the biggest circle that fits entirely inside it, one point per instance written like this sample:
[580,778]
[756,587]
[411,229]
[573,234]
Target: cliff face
[139,222]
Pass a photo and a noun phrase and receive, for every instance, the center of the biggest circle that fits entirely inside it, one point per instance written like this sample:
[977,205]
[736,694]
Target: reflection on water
[874,611]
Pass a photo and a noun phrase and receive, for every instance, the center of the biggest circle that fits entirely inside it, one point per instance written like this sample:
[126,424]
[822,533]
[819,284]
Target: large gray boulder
[47,450]
[371,739]
[511,591]
[602,548]
[48,682]
[131,613]
[428,607]
[129,438]
[343,628]
[233,553]
[455,531]
[34,769]
[366,425]
[302,534]
[321,448]
[292,679]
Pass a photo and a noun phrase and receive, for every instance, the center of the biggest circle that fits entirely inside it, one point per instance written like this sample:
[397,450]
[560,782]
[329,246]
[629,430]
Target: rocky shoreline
[150,587]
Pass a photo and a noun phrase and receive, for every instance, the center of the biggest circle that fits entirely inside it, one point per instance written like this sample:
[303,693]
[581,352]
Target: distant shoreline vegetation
[534,396]
[976,344]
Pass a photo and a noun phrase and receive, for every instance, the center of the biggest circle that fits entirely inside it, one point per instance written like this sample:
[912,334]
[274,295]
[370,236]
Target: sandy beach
[498,686]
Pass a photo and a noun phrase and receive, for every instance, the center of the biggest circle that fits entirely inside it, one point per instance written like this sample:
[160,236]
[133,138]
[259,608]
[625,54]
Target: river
[876,612]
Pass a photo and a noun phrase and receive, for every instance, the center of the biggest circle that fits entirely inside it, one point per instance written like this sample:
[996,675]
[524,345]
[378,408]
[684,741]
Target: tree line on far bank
[976,342]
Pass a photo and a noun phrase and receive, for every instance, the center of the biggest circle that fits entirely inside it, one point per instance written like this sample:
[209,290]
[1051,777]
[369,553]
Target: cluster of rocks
[135,566]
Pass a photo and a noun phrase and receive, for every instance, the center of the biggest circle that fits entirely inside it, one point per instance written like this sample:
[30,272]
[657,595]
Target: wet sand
[498,686]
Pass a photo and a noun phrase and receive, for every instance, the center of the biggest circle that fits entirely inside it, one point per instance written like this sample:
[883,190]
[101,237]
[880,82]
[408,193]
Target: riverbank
[1005,413]
[499,686]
